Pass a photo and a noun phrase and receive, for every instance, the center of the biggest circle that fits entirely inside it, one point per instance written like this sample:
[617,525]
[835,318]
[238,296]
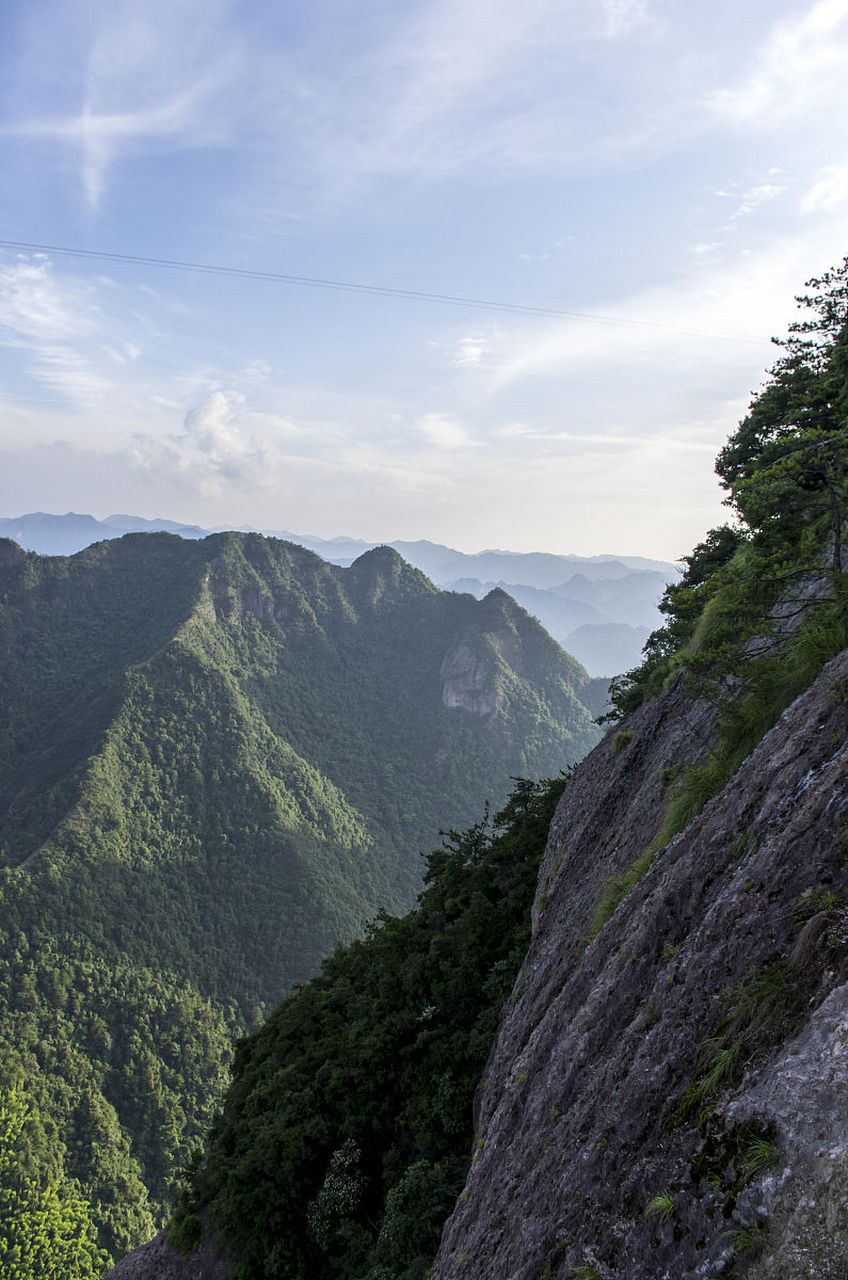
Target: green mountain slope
[218,759]
[346,1135]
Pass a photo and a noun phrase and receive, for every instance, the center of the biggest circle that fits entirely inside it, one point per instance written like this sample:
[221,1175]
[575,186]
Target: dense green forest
[219,759]
[346,1133]
[46,1227]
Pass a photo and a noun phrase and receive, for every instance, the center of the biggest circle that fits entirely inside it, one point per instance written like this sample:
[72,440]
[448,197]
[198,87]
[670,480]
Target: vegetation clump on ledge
[785,471]
[762,603]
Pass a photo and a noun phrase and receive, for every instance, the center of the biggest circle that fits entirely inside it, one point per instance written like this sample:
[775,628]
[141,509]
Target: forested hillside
[361,1142]
[599,608]
[218,759]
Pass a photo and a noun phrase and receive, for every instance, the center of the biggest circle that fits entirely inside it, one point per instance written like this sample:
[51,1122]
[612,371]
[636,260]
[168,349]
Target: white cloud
[471,351]
[803,63]
[444,432]
[829,191]
[739,296]
[49,321]
[762,193]
[620,17]
[213,452]
[98,137]
[153,74]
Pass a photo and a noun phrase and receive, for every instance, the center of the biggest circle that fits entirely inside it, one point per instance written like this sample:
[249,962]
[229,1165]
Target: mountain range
[600,608]
[219,758]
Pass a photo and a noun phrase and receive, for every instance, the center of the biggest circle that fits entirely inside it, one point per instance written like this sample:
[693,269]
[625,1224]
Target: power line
[348,286]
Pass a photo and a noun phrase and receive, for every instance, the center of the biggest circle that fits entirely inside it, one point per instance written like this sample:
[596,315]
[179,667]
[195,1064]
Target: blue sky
[683,166]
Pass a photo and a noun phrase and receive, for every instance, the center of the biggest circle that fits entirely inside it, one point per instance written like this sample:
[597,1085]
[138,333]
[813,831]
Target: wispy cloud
[803,62]
[99,137]
[620,17]
[744,294]
[761,193]
[829,191]
[705,247]
[36,307]
[471,351]
[444,432]
[149,76]
[68,372]
[122,352]
[48,321]
[450,85]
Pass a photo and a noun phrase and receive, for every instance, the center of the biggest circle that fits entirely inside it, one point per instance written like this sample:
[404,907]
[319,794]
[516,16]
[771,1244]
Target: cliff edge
[159,1261]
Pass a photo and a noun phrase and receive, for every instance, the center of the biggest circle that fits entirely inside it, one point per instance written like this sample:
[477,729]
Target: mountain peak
[383,567]
[10,553]
[380,556]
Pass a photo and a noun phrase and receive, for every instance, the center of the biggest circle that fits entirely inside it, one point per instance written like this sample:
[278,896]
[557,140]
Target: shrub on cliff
[785,470]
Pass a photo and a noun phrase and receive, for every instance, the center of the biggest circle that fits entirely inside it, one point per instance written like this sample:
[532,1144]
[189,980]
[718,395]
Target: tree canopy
[785,472]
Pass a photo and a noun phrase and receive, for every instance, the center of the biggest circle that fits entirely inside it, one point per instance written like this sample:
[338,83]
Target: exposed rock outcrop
[159,1261]
[669,1101]
[469,681]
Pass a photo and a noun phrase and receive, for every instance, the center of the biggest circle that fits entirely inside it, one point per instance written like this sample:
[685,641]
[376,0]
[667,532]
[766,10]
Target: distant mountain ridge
[218,759]
[34,530]
[616,595]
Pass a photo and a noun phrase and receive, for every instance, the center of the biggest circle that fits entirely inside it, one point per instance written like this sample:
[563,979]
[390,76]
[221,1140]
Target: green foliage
[684,604]
[618,887]
[661,1207]
[747,1242]
[46,1231]
[622,739]
[345,1136]
[757,1152]
[771,683]
[185,1230]
[814,900]
[108,1049]
[218,760]
[755,1015]
[785,470]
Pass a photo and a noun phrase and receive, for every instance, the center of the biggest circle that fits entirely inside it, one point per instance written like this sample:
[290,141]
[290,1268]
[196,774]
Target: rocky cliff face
[158,1261]
[668,1100]
[468,681]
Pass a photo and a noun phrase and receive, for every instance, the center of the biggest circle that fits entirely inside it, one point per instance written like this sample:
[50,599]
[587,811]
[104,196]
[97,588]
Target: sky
[672,173]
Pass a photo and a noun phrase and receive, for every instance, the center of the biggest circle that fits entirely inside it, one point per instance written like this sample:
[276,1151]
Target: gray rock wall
[738,930]
[158,1261]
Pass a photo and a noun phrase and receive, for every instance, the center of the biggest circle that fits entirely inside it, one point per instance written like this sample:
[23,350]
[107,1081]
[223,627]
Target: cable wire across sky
[375,290]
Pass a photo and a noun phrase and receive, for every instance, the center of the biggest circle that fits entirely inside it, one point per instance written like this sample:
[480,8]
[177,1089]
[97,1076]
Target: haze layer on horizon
[684,166]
